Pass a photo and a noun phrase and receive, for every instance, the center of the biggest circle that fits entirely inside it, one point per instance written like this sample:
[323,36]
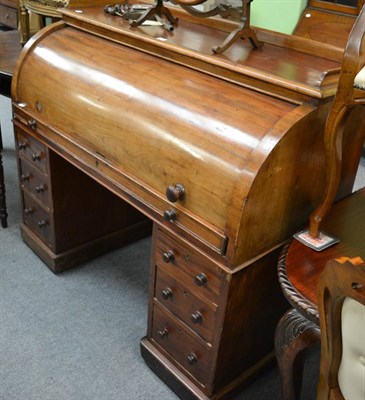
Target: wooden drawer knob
[166,293]
[42,223]
[175,193]
[196,317]
[32,124]
[24,178]
[163,333]
[36,157]
[40,189]
[168,256]
[192,358]
[22,145]
[200,279]
[170,214]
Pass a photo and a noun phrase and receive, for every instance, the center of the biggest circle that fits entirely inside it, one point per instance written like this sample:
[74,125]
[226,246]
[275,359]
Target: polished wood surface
[146,113]
[345,221]
[342,279]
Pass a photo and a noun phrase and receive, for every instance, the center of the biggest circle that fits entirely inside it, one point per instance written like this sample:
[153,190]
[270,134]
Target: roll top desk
[119,126]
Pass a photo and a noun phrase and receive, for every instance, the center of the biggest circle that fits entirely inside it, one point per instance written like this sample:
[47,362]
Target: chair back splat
[350,92]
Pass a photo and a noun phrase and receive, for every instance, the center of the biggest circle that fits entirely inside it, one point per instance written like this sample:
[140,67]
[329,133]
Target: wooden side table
[299,269]
[9,50]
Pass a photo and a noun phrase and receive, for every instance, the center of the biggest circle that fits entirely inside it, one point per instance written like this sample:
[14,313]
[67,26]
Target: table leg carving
[294,334]
[3,213]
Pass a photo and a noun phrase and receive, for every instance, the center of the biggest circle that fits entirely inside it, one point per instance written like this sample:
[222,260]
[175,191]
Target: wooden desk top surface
[10,48]
[347,222]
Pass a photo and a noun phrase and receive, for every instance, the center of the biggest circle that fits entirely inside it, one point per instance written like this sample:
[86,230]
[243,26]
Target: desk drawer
[8,17]
[189,265]
[181,300]
[38,219]
[35,182]
[185,347]
[32,150]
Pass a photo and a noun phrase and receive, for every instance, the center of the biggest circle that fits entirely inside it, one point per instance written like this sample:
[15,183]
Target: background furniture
[9,52]
[328,21]
[300,266]
[9,13]
[299,269]
[341,304]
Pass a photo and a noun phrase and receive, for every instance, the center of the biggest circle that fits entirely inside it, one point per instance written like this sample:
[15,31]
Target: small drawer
[8,17]
[188,264]
[35,182]
[31,149]
[180,299]
[186,348]
[38,220]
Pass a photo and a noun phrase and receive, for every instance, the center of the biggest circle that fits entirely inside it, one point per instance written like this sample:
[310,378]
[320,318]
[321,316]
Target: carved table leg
[3,213]
[294,334]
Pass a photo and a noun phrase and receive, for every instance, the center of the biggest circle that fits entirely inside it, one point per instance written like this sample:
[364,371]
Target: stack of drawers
[187,290]
[35,185]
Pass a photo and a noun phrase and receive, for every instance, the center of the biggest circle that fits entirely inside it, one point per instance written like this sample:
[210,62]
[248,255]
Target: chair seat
[359,81]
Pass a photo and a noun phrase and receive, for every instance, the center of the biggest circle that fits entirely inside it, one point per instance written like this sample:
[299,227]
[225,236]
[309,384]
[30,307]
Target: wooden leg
[294,334]
[3,213]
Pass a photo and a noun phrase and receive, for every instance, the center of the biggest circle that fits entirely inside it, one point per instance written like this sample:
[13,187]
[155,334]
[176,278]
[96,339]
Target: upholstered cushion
[360,79]
[351,374]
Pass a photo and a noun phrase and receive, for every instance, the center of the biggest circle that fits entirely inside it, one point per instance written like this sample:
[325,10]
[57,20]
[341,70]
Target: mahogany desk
[118,126]
[299,269]
[9,51]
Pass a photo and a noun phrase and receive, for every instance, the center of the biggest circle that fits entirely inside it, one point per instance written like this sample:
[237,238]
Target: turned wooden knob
[170,214]
[200,279]
[24,178]
[175,193]
[166,293]
[168,256]
[196,317]
[32,124]
[36,157]
[163,333]
[192,358]
[40,189]
[28,211]
[42,223]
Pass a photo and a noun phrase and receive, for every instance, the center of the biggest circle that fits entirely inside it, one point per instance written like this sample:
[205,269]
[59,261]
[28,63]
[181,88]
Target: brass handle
[28,211]
[168,256]
[170,214]
[175,193]
[200,279]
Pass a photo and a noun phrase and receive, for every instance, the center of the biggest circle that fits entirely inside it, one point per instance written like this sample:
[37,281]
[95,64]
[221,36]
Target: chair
[341,304]
[299,266]
[350,92]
